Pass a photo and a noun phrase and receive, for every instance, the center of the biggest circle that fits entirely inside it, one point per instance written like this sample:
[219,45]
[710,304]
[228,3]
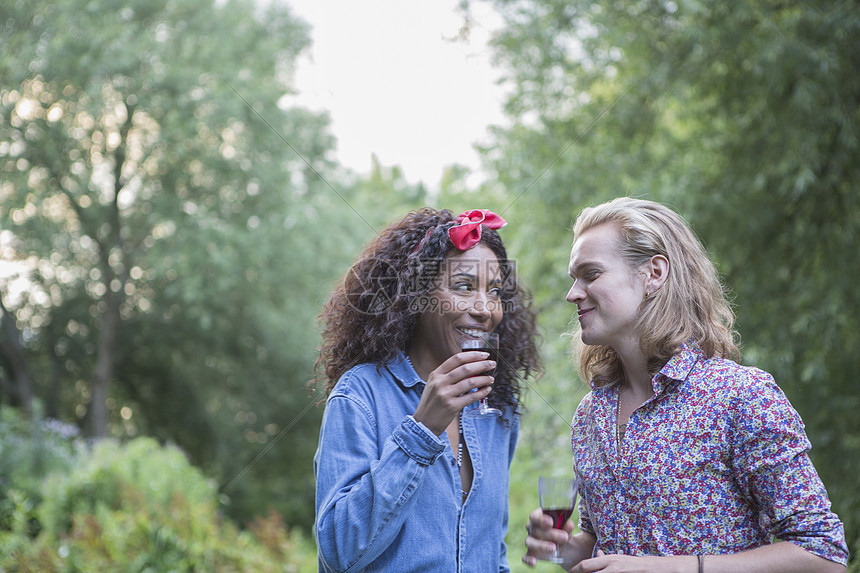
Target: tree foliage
[744,117]
[164,209]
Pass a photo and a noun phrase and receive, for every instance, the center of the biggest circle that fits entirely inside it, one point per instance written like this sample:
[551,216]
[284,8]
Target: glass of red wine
[485,342]
[557,497]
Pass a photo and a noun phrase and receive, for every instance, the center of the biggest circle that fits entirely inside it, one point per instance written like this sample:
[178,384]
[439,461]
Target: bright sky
[397,84]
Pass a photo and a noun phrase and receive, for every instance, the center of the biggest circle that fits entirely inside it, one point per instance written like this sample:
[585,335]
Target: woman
[687,460]
[404,482]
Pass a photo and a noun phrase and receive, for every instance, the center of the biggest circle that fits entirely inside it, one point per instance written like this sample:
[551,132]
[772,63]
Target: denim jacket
[388,489]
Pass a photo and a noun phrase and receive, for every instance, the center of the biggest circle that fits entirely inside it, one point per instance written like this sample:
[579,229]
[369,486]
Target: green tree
[169,213]
[742,116]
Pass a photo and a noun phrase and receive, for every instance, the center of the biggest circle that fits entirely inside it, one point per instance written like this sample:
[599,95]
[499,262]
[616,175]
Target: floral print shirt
[716,461]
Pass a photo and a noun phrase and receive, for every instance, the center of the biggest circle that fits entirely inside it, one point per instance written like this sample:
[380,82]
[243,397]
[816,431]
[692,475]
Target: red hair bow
[467,232]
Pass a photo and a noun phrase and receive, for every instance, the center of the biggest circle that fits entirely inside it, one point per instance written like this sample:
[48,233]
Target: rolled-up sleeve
[364,491]
[773,469]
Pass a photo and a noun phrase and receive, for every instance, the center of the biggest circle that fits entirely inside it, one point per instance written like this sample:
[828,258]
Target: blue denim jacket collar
[401,368]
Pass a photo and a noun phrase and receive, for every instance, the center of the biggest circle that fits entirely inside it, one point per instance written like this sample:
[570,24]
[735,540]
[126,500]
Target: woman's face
[606,291]
[466,296]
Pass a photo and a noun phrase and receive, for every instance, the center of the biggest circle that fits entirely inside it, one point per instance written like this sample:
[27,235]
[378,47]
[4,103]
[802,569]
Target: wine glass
[485,342]
[557,497]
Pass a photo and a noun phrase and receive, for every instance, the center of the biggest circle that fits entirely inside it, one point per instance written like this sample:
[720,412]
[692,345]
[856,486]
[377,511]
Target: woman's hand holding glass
[486,342]
[450,387]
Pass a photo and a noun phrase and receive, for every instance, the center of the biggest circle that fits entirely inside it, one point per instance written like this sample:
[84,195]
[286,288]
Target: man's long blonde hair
[691,306]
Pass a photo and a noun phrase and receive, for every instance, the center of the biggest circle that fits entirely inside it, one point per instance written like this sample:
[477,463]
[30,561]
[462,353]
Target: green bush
[29,451]
[135,507]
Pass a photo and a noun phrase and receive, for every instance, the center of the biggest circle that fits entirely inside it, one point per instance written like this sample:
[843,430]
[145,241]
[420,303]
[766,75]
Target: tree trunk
[110,318]
[105,366]
[15,360]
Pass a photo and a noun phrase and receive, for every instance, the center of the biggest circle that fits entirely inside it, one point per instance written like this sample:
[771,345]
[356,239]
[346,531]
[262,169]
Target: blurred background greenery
[169,231]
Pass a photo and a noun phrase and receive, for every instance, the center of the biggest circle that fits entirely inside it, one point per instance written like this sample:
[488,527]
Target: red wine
[493,352]
[559,516]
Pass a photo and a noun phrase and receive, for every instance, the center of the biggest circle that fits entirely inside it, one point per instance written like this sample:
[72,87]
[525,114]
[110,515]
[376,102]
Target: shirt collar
[401,368]
[679,367]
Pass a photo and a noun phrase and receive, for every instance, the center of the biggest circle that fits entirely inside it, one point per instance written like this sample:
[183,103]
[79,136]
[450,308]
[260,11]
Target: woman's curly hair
[372,315]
